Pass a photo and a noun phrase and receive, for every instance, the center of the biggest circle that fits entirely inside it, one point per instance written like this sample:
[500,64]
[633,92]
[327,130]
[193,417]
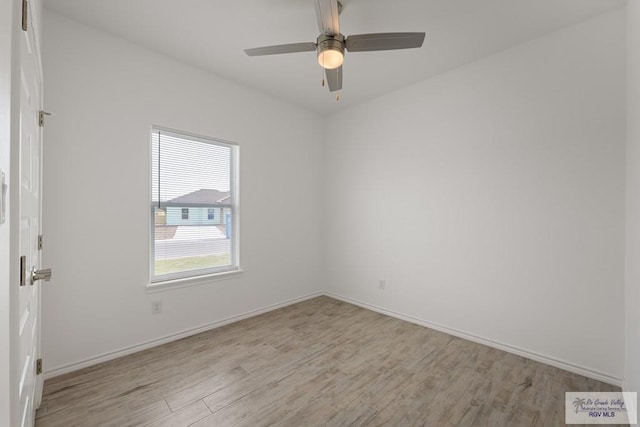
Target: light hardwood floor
[321,362]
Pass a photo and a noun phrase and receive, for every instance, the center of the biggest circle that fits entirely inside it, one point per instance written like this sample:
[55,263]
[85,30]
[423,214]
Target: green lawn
[172,265]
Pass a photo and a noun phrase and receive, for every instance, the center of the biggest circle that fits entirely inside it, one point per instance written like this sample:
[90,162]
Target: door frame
[7,294]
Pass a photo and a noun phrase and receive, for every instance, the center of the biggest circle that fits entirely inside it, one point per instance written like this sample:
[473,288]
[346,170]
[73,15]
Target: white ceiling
[211,34]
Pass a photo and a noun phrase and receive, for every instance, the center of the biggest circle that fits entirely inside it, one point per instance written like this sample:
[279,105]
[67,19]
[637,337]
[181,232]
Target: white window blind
[193,205]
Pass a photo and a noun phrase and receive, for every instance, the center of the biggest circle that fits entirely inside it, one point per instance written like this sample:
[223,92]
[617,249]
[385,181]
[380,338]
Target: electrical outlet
[156,307]
[382,284]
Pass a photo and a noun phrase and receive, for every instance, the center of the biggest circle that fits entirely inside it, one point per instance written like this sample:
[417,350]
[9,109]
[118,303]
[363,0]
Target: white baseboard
[171,337]
[561,364]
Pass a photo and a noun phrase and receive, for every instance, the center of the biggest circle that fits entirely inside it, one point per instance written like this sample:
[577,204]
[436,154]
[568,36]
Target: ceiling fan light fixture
[330,59]
[330,51]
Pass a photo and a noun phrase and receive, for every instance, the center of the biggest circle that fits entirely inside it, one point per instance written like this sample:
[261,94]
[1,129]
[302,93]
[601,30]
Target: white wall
[632,371]
[491,199]
[105,94]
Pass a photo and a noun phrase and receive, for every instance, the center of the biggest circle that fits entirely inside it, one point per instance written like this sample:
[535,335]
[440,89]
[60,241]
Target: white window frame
[195,277]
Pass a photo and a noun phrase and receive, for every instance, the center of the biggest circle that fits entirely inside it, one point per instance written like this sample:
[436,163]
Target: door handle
[44,274]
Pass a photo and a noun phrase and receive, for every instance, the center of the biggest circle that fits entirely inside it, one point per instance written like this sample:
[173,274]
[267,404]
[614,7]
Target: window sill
[191,281]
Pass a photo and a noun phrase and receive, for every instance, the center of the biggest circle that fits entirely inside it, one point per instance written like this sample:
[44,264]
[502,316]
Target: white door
[29,382]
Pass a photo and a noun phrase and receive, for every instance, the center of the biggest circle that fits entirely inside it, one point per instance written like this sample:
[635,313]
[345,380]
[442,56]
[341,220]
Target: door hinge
[40,242]
[25,17]
[38,366]
[41,115]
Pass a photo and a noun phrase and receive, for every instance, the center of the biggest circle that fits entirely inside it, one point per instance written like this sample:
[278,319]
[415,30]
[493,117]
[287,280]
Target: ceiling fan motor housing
[330,43]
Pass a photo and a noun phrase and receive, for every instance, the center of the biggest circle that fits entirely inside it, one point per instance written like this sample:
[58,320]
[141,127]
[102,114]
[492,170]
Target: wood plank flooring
[321,362]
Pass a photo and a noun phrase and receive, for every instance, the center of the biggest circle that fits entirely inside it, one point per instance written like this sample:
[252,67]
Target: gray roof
[203,196]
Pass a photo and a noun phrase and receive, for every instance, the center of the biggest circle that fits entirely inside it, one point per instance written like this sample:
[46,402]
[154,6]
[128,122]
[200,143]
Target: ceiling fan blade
[328,14]
[281,48]
[334,79]
[383,41]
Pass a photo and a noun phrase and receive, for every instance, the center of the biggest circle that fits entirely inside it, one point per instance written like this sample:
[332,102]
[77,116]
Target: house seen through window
[193,206]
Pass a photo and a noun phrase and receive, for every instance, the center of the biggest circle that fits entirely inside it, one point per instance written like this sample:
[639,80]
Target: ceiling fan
[331,44]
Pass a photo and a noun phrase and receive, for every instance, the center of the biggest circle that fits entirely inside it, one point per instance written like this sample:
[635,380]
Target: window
[194,206]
